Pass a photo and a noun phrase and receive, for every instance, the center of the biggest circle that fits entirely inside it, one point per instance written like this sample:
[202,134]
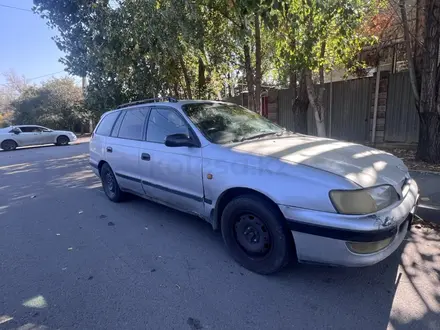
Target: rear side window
[117,126]
[106,125]
[133,125]
[30,129]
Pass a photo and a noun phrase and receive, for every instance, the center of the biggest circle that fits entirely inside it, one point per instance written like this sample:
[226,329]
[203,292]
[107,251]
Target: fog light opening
[368,247]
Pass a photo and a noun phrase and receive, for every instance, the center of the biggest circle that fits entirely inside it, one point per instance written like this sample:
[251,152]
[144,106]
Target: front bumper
[321,237]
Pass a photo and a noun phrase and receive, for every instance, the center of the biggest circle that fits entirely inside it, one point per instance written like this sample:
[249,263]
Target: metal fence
[402,121]
[349,106]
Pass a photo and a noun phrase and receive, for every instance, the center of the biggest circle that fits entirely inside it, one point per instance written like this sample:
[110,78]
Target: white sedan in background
[28,135]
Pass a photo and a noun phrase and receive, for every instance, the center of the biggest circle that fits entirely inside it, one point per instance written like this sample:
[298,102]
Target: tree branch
[409,52]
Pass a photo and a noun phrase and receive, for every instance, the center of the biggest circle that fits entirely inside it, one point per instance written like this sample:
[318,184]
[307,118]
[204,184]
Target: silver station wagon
[275,195]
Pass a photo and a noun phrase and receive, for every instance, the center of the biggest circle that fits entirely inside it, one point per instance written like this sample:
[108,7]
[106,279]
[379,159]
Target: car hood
[360,164]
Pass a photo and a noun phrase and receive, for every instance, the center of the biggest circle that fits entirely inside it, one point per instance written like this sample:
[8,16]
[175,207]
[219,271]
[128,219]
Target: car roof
[27,126]
[174,104]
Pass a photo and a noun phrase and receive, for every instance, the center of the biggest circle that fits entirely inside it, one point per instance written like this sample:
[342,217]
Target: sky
[26,45]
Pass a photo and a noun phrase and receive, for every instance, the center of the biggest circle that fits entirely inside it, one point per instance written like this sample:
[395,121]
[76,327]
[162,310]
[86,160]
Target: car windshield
[223,123]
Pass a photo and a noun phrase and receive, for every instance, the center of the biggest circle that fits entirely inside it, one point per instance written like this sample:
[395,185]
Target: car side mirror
[16,131]
[179,140]
[47,130]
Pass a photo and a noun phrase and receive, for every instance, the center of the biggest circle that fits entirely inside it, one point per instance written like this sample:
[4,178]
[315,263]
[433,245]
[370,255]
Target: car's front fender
[284,183]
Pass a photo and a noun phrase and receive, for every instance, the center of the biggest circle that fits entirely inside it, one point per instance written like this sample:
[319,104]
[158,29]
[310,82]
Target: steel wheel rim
[252,235]
[109,184]
[9,145]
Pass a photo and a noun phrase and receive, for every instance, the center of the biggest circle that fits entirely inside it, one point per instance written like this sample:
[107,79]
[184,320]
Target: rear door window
[106,125]
[133,125]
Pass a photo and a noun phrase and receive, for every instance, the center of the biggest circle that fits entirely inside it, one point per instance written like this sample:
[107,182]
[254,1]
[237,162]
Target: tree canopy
[56,103]
[133,49]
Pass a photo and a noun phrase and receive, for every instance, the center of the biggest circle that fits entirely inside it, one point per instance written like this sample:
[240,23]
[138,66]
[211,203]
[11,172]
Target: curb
[424,172]
[429,213]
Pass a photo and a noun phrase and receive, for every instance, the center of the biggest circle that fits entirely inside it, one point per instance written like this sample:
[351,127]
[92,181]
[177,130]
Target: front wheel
[9,145]
[256,235]
[62,141]
[110,185]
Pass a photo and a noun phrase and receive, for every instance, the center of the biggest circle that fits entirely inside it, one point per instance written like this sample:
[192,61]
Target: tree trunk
[429,75]
[300,103]
[317,108]
[257,64]
[428,148]
[409,52]
[249,75]
[201,80]
[176,89]
[186,77]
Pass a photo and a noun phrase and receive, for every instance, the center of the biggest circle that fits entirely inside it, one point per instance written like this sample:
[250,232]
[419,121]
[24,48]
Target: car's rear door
[123,147]
[171,175]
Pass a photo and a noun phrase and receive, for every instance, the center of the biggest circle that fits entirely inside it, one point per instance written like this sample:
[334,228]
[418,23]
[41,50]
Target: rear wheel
[110,185]
[62,140]
[256,235]
[9,145]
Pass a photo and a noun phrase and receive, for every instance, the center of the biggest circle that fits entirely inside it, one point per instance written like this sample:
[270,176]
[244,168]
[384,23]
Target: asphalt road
[71,259]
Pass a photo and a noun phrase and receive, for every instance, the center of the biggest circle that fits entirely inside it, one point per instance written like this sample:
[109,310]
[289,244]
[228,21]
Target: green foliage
[303,26]
[134,49]
[57,103]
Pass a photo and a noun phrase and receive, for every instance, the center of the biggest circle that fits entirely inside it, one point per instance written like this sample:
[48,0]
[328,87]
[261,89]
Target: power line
[46,75]
[16,8]
[33,78]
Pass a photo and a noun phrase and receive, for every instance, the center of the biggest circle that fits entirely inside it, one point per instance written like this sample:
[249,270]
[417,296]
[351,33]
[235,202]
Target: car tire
[110,184]
[256,234]
[62,140]
[9,145]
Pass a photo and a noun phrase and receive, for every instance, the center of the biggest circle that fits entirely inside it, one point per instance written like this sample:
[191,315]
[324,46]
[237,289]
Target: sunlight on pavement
[418,281]
[15,167]
[3,208]
[36,302]
[32,326]
[5,318]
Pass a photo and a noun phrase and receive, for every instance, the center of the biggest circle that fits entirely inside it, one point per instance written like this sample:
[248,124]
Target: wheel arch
[62,135]
[100,164]
[231,193]
[9,139]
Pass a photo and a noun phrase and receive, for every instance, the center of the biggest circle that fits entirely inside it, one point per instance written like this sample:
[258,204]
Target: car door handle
[109,149]
[145,157]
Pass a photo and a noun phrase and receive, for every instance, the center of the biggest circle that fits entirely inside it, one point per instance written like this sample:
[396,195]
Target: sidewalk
[429,203]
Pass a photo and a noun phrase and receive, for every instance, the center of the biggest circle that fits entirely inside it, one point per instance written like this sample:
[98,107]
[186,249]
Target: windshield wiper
[257,136]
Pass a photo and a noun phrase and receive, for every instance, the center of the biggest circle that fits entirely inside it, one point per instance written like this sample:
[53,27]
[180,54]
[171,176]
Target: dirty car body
[339,203]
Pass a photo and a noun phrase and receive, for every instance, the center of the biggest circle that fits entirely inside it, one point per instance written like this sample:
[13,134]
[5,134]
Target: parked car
[28,135]
[273,194]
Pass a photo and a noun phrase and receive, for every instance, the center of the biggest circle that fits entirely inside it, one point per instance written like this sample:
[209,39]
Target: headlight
[363,201]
